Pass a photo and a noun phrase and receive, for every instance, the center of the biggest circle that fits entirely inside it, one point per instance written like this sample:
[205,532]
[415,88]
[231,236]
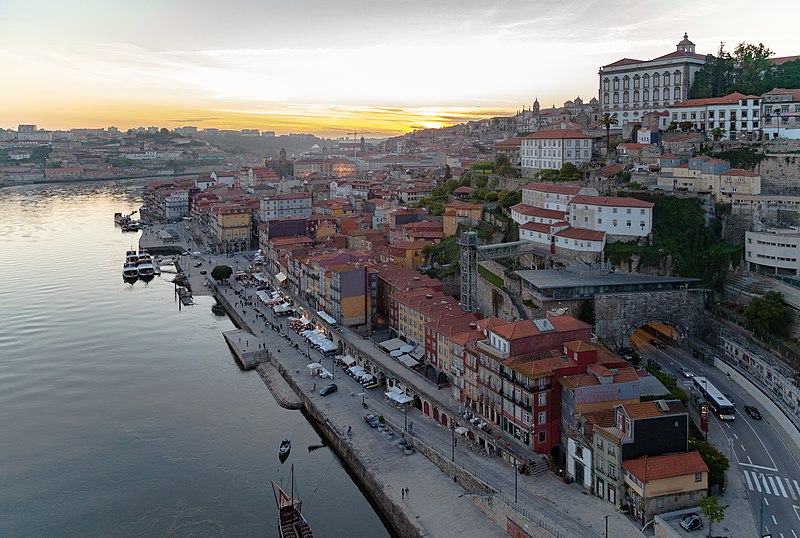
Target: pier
[249,350]
[284,395]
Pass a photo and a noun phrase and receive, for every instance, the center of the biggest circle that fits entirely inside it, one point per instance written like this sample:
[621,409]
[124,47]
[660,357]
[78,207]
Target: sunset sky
[331,67]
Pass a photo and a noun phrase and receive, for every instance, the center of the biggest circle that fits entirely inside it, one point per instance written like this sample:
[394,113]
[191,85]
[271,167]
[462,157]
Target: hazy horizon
[331,68]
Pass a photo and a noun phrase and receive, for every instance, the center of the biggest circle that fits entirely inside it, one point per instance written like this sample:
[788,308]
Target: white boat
[130,272]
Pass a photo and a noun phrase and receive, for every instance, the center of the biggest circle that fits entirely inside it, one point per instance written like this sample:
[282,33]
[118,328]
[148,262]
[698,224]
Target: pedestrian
[406,493]
[315,387]
[349,430]
[403,493]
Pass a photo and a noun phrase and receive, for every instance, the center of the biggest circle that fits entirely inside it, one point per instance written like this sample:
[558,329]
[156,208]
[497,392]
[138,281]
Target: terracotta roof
[581,234]
[533,211]
[669,156]
[795,93]
[658,467]
[739,172]
[782,60]
[680,54]
[632,145]
[526,328]
[610,201]
[730,99]
[512,142]
[624,61]
[463,205]
[551,188]
[642,410]
[556,134]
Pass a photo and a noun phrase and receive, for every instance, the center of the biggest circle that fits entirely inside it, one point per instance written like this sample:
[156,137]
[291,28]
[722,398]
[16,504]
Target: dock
[249,350]
[278,387]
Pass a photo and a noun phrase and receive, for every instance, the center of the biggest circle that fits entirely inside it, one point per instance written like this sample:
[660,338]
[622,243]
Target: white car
[685,372]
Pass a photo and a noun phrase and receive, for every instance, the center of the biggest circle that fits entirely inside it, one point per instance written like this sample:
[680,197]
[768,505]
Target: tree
[509,198]
[754,68]
[714,511]
[715,460]
[716,76]
[448,174]
[717,132]
[685,126]
[451,185]
[768,314]
[500,160]
[607,121]
[221,272]
[673,126]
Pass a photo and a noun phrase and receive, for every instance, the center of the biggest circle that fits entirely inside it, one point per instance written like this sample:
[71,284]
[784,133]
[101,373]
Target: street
[758,452]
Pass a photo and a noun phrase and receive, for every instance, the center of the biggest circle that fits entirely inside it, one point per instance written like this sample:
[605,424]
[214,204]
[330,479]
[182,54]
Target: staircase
[517,302]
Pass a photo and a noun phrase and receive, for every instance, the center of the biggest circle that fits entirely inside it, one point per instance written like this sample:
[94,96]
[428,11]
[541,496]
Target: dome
[686,45]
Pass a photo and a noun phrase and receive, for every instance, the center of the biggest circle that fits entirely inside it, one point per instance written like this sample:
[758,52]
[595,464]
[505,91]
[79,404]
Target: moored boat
[130,272]
[291,523]
[285,448]
[145,265]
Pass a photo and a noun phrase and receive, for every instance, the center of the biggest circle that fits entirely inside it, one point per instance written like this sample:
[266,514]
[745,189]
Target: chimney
[473,325]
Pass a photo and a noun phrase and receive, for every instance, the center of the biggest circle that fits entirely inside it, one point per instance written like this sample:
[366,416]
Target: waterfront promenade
[567,507]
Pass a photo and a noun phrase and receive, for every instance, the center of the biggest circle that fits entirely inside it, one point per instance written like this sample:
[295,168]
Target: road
[769,468]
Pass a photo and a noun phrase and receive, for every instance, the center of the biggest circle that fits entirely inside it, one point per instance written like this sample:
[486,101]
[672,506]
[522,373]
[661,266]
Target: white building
[613,215]
[738,115]
[282,206]
[176,205]
[551,149]
[340,189]
[631,88]
[781,113]
[550,196]
[524,213]
[773,251]
[560,235]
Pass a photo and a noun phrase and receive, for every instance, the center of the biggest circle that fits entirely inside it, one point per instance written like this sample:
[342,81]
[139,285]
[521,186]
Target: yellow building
[408,254]
[456,213]
[665,483]
[232,228]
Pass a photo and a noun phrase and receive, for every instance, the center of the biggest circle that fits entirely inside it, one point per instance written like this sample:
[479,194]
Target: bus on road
[721,405]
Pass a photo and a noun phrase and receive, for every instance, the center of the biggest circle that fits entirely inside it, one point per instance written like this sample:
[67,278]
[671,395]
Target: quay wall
[404,526]
[399,520]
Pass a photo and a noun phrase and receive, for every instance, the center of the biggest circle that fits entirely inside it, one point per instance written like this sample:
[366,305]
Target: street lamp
[405,417]
[453,441]
[606,518]
[761,511]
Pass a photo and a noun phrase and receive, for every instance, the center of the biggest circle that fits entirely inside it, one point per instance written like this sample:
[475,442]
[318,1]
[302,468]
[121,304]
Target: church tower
[686,45]
[536,106]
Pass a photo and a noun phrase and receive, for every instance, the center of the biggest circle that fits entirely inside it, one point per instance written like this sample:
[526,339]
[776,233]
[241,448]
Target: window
[542,437]
[628,224]
[579,451]
[542,399]
[599,221]
[698,477]
[612,470]
[641,223]
[612,450]
[542,417]
[614,222]
[599,442]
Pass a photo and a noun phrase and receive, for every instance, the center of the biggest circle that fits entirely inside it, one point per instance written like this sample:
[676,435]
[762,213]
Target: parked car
[685,372]
[204,272]
[691,522]
[371,419]
[198,264]
[658,343]
[328,389]
[754,413]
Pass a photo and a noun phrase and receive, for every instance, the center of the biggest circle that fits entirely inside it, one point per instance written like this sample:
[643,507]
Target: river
[120,413]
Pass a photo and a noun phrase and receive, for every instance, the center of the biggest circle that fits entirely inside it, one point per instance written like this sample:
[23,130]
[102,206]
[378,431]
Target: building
[640,429]
[552,149]
[281,206]
[511,149]
[616,216]
[664,484]
[773,252]
[705,174]
[456,213]
[632,88]
[231,227]
[408,254]
[736,115]
[781,113]
[551,196]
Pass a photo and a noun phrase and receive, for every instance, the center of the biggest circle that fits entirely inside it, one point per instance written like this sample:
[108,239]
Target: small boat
[118,218]
[291,523]
[130,272]
[285,448]
[144,265]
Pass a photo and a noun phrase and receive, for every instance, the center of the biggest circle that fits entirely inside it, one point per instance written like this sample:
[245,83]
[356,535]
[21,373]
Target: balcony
[484,346]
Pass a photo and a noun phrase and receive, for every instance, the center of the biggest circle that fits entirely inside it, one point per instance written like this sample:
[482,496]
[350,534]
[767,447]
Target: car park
[691,522]
[754,413]
[685,372]
[329,389]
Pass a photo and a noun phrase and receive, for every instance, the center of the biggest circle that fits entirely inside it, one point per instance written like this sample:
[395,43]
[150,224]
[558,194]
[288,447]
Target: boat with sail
[291,523]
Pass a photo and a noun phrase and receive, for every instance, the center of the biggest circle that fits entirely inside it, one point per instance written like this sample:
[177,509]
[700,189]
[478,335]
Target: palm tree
[607,120]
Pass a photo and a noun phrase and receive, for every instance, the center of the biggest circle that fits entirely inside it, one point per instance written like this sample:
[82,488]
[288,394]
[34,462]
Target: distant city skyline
[331,68]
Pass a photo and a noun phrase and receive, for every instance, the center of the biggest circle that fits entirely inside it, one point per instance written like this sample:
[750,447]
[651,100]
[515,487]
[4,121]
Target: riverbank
[154,177]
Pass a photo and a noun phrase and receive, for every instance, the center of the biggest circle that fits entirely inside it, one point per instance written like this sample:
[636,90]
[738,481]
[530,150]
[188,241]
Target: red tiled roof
[739,172]
[537,227]
[581,234]
[669,156]
[632,145]
[624,61]
[610,201]
[512,142]
[658,467]
[556,134]
[463,205]
[533,211]
[730,99]
[551,188]
[795,93]
[525,328]
[782,60]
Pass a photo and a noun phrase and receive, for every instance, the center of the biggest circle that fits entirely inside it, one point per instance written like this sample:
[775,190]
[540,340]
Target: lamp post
[761,511]
[453,441]
[606,518]
[405,417]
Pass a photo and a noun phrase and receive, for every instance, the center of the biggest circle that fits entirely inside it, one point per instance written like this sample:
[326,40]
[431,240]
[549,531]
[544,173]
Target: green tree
[716,76]
[715,460]
[768,314]
[717,132]
[753,67]
[448,174]
[481,181]
[491,196]
[509,198]
[607,121]
[451,185]
[570,172]
[221,272]
[685,126]
[466,180]
[673,126]
[787,75]
[713,510]
[500,160]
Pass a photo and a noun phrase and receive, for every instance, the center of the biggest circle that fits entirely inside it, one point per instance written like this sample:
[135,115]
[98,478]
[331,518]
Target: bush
[221,272]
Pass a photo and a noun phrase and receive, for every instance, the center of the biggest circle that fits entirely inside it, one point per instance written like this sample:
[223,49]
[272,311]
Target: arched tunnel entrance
[655,334]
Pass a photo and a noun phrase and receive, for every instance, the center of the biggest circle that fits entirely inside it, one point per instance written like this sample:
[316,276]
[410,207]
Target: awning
[281,277]
[461,430]
[408,361]
[347,360]
[407,348]
[396,395]
[326,317]
[391,345]
[395,353]
[314,365]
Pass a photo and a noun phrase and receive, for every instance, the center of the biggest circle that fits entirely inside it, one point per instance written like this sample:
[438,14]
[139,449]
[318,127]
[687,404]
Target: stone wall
[780,173]
[618,315]
[489,297]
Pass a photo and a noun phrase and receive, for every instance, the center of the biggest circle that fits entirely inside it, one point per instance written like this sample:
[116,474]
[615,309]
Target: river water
[121,414]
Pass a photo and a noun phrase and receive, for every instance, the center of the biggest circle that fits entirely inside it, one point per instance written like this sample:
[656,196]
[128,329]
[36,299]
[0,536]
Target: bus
[721,405]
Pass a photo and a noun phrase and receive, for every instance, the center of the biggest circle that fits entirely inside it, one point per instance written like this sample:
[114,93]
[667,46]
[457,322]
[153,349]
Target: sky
[333,67]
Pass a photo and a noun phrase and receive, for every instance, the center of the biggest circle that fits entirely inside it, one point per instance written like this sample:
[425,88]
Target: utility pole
[606,518]
[453,441]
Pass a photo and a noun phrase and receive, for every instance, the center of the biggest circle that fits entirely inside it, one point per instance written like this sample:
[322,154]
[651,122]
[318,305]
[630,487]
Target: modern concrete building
[773,252]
